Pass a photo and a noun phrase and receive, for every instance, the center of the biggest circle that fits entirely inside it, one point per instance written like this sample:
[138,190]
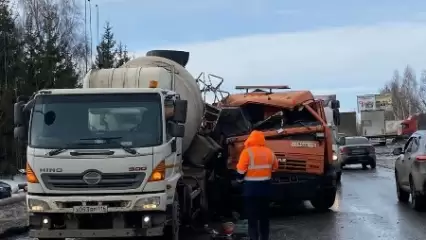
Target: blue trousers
[257,212]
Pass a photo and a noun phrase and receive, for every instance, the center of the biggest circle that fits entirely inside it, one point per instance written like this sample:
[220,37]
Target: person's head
[256,138]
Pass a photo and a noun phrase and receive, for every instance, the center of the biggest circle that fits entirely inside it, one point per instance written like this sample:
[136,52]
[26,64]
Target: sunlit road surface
[366,208]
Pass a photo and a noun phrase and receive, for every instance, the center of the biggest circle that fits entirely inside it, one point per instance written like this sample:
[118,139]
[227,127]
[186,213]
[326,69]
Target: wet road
[365,209]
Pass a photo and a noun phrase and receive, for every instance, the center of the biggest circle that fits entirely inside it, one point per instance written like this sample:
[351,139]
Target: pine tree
[105,57]
[122,55]
[10,73]
[10,48]
[49,60]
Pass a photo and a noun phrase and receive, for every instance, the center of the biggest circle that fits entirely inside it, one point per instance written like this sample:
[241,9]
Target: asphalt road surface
[366,208]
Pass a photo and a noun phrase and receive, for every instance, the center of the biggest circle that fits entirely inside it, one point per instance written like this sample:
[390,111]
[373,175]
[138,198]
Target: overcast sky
[329,46]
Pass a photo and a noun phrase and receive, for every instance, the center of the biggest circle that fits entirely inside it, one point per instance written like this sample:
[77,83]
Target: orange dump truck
[295,129]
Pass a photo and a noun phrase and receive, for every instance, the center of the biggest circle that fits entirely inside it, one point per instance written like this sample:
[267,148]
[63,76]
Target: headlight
[2,188]
[35,205]
[334,157]
[148,203]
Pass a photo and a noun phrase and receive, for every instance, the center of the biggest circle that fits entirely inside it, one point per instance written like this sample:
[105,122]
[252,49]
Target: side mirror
[176,129]
[180,111]
[397,151]
[18,113]
[335,104]
[20,133]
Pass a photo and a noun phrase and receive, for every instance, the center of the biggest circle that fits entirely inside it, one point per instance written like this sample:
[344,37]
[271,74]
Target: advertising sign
[326,98]
[384,102]
[366,102]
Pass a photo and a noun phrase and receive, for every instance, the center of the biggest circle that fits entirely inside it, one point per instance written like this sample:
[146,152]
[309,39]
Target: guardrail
[13,215]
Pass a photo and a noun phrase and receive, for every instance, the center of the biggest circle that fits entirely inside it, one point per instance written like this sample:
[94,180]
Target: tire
[172,231]
[402,195]
[339,177]
[417,201]
[324,199]
[373,165]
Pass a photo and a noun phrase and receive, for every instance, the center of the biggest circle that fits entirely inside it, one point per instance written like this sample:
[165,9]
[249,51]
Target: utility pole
[85,34]
[97,24]
[91,35]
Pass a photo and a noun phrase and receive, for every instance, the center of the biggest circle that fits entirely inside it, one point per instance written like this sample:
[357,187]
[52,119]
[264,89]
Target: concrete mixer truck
[107,160]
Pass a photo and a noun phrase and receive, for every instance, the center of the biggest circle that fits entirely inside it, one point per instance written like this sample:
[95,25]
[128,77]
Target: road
[366,208]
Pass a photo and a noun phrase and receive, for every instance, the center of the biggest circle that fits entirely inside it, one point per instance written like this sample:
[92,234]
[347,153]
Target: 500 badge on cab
[137,169]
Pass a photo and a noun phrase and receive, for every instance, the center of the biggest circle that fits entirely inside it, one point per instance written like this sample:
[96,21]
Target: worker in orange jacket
[255,167]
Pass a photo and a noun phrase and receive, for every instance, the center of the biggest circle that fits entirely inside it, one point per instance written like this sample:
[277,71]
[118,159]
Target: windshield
[77,121]
[353,141]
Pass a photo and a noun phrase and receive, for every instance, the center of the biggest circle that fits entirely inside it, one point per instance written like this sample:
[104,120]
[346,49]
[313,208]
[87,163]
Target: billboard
[373,102]
[366,102]
[326,99]
[384,102]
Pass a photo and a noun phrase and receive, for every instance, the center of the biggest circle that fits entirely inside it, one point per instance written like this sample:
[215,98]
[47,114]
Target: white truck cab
[102,162]
[332,115]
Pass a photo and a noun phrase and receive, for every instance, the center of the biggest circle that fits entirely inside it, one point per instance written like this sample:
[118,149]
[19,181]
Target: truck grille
[292,165]
[110,204]
[109,181]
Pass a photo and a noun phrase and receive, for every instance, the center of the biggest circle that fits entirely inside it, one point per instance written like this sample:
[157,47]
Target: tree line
[43,45]
[408,92]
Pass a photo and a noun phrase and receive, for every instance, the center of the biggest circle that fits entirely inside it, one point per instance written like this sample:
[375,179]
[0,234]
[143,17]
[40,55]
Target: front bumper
[291,187]
[125,216]
[114,203]
[120,228]
[357,159]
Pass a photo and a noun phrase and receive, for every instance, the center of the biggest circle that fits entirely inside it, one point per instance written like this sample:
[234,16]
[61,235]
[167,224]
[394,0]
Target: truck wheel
[324,199]
[172,231]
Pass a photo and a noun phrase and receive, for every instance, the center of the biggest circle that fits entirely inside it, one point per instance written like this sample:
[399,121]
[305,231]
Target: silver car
[410,171]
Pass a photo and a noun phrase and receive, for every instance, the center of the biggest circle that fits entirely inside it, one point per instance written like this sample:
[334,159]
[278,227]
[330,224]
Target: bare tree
[63,18]
[406,94]
[422,89]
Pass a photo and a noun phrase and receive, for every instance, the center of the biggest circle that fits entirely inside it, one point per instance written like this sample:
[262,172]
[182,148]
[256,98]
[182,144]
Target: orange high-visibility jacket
[257,162]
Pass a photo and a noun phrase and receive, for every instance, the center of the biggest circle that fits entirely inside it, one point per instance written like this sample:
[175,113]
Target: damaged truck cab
[295,128]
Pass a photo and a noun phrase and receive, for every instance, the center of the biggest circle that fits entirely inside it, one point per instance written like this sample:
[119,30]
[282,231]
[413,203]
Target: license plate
[358,151]
[90,209]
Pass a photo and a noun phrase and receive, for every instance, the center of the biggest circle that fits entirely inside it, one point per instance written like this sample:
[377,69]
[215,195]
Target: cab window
[415,145]
[169,108]
[407,146]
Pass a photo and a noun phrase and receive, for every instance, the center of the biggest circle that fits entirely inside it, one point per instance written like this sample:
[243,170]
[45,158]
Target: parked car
[410,171]
[357,150]
[5,190]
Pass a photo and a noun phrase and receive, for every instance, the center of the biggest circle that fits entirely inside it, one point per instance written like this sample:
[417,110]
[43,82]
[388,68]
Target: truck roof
[288,99]
[99,90]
